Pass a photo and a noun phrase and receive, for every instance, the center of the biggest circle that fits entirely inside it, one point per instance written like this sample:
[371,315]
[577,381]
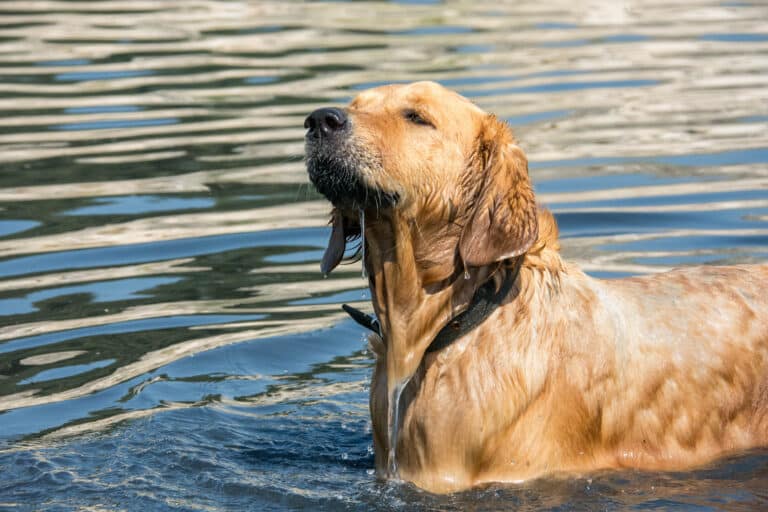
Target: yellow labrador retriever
[497,361]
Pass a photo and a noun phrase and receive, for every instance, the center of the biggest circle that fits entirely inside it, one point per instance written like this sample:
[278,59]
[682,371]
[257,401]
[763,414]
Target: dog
[496,360]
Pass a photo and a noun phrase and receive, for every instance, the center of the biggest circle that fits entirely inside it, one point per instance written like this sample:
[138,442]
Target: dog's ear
[336,244]
[503,220]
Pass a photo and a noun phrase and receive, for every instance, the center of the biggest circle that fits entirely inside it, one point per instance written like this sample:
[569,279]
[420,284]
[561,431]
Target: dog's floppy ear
[503,221]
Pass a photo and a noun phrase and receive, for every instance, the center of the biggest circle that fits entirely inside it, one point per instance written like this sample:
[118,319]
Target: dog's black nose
[325,121]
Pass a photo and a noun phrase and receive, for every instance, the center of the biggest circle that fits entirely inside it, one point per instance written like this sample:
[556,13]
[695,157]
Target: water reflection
[166,340]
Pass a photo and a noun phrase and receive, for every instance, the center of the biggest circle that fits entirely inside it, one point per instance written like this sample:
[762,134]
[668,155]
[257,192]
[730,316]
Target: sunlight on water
[166,339]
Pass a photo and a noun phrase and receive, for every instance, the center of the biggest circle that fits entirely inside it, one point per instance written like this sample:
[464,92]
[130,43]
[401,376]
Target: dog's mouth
[339,177]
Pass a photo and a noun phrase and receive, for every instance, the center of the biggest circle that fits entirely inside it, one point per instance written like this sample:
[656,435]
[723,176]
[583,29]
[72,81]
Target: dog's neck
[414,301]
[485,301]
[411,307]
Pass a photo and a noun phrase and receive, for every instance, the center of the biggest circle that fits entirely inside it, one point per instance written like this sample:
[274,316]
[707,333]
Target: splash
[393,422]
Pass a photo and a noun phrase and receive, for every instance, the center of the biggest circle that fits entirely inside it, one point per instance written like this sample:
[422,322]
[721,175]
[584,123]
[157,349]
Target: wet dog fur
[570,373]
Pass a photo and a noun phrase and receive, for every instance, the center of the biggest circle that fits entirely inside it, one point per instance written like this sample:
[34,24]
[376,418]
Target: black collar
[484,302]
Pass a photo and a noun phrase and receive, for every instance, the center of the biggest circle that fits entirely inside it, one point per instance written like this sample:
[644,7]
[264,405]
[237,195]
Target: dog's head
[426,154]
[446,199]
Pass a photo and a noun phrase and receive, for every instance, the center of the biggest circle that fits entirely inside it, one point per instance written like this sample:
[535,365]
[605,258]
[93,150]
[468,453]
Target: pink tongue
[335,250]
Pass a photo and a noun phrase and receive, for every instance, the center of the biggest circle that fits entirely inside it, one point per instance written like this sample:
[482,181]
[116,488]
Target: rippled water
[166,340]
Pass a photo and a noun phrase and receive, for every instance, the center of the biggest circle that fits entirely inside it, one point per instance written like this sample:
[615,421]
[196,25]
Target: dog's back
[691,364]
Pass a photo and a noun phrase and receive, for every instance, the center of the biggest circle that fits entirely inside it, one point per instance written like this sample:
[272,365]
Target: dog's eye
[415,118]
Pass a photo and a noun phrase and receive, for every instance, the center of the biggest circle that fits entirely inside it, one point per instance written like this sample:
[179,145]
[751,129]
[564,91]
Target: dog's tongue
[336,245]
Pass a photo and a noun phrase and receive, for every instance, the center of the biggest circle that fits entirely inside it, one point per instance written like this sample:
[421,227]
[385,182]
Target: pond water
[166,339]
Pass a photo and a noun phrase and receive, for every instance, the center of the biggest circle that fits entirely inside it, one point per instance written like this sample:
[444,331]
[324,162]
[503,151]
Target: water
[166,339]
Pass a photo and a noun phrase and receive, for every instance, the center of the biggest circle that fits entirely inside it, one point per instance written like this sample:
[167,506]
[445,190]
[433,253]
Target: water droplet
[393,423]
[362,241]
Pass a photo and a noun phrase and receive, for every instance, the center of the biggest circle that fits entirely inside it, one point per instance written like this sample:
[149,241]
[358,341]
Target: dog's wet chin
[335,180]
[342,184]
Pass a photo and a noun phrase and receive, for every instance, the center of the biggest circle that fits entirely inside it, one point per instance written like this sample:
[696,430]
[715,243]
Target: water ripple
[166,340]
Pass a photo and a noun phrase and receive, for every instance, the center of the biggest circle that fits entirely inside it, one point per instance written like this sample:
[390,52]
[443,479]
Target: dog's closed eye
[416,118]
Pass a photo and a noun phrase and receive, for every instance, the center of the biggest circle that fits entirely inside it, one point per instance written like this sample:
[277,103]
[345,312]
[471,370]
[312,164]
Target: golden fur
[570,373]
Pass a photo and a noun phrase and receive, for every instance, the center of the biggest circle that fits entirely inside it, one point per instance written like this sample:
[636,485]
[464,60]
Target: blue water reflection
[166,339]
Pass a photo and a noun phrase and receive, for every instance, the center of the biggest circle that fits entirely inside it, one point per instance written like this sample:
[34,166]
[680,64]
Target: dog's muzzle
[335,162]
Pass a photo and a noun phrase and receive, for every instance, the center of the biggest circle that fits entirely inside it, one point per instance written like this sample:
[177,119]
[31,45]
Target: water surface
[166,339]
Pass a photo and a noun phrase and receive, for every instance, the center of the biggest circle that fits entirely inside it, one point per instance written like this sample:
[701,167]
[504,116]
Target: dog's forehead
[417,94]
